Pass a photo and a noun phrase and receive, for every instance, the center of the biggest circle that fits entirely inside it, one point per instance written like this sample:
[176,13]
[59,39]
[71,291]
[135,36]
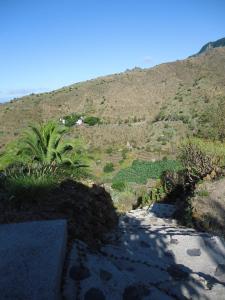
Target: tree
[43,143]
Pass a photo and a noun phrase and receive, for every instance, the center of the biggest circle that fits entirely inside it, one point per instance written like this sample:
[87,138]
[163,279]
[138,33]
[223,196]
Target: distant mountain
[211,45]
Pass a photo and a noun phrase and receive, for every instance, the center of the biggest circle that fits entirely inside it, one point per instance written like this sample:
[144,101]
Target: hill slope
[149,108]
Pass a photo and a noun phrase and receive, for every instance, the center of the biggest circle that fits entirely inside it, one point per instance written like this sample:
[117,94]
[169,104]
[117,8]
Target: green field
[140,171]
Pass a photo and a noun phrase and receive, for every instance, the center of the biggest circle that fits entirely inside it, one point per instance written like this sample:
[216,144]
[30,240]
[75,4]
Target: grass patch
[29,187]
[203,193]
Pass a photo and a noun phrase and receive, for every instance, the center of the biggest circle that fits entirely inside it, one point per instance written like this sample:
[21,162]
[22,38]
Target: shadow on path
[148,260]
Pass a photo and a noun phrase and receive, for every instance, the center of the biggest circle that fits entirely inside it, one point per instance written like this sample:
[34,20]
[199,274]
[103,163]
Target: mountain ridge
[211,45]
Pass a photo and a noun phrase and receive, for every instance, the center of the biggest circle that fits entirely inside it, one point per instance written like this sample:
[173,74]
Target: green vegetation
[119,186]
[140,171]
[44,144]
[198,160]
[108,168]
[91,121]
[211,123]
[35,164]
[71,120]
[109,150]
[203,193]
[27,182]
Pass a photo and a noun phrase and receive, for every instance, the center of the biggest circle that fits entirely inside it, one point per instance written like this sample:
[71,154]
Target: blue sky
[47,44]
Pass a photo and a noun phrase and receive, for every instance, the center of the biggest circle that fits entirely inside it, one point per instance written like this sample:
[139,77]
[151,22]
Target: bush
[196,161]
[71,120]
[91,121]
[124,153]
[119,186]
[108,168]
[109,150]
[215,149]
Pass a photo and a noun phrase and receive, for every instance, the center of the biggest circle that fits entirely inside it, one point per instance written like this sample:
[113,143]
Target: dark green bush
[108,168]
[119,186]
[71,120]
[91,121]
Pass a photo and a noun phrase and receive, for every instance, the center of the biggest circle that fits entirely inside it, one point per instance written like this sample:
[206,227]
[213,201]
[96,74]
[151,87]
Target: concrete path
[149,257]
[31,260]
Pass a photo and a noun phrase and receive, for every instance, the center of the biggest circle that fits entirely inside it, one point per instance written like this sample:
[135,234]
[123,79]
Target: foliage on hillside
[212,121]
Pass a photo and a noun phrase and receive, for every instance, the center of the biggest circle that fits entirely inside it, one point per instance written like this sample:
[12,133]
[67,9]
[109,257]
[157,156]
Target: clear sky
[47,44]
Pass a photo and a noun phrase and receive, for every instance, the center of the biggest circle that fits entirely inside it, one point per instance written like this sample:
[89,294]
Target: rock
[194,252]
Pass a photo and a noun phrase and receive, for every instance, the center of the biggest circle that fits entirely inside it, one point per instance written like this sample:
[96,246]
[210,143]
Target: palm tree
[43,143]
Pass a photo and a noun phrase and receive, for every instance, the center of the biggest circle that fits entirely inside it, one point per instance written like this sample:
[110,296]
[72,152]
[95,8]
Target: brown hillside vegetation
[148,108]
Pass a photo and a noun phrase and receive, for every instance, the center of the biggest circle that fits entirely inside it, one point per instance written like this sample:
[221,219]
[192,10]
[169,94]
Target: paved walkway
[149,257]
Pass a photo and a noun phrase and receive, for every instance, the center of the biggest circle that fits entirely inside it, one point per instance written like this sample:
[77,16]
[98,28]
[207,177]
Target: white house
[80,121]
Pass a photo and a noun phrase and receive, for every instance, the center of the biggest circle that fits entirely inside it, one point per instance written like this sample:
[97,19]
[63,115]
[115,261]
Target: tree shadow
[146,259]
[89,210]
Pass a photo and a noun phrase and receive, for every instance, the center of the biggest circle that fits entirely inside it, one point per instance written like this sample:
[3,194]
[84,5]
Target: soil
[209,206]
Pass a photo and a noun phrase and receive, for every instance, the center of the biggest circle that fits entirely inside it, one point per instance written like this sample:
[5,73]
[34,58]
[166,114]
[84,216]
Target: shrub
[91,121]
[119,186]
[108,168]
[71,120]
[157,193]
[215,149]
[203,193]
[124,153]
[175,183]
[109,150]
[196,161]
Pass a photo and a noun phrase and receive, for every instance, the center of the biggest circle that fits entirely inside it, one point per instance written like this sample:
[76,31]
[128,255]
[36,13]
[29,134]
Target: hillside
[149,108]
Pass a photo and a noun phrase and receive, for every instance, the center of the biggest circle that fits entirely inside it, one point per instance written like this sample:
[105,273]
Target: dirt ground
[209,206]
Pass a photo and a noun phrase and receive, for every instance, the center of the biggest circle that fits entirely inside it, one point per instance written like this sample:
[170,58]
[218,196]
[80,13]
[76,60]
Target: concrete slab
[31,260]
